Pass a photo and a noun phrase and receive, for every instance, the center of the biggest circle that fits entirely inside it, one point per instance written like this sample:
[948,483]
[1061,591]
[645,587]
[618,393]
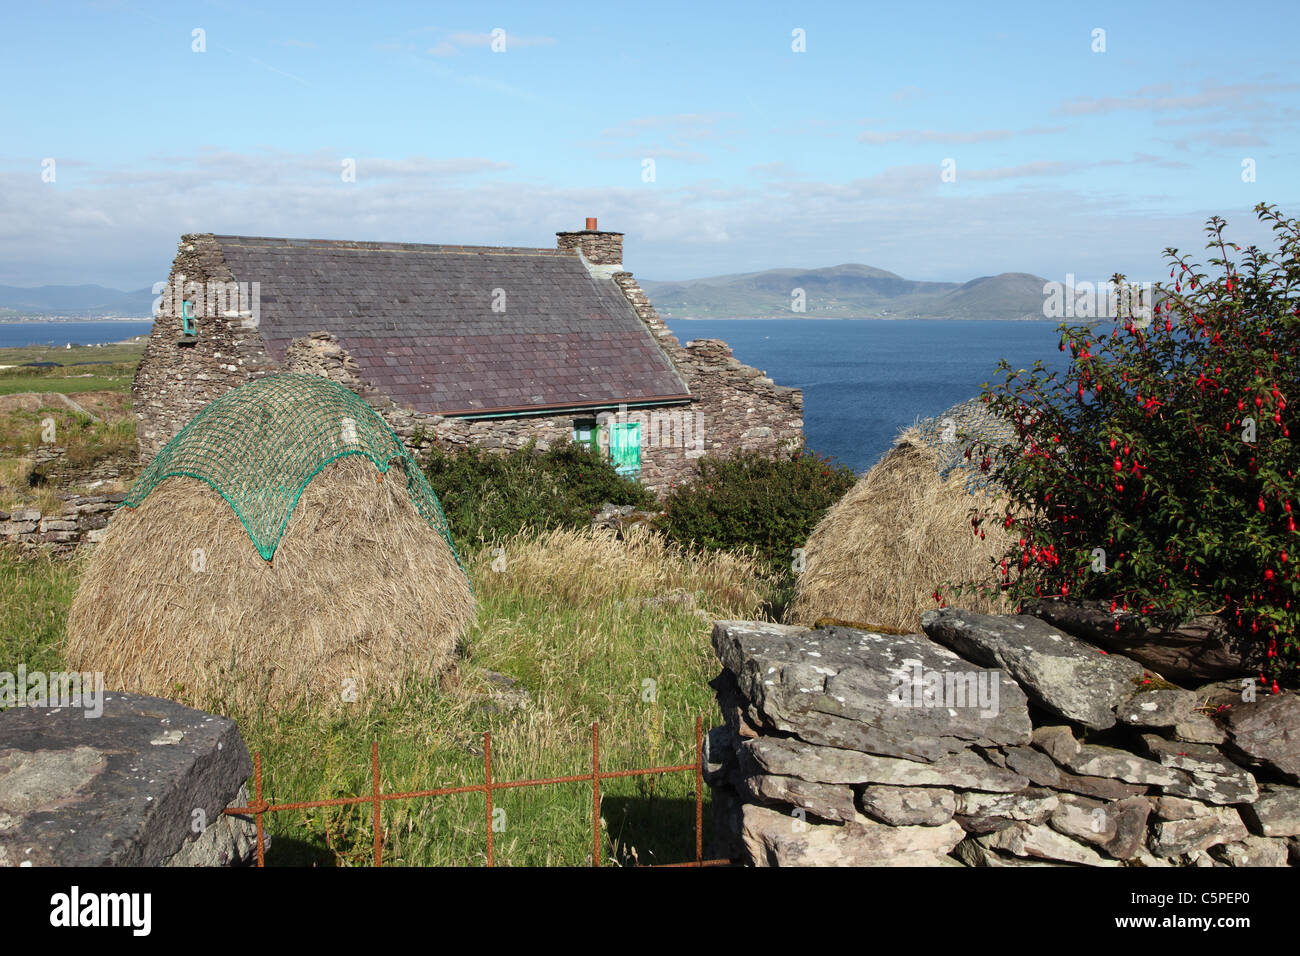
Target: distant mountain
[848,291]
[74,301]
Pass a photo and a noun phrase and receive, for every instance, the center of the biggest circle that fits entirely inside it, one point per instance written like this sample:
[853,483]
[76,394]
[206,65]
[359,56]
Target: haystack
[904,530]
[282,547]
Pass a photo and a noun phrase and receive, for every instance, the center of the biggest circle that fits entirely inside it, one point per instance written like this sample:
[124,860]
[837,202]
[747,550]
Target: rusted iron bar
[699,789]
[257,790]
[374,773]
[487,788]
[595,794]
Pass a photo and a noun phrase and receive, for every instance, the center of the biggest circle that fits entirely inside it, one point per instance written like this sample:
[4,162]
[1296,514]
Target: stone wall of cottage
[740,407]
[736,407]
[173,381]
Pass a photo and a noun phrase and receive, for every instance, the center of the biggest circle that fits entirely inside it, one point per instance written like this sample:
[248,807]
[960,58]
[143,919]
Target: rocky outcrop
[987,741]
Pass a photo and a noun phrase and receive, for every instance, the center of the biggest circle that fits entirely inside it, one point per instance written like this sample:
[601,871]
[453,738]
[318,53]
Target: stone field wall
[989,741]
[81,518]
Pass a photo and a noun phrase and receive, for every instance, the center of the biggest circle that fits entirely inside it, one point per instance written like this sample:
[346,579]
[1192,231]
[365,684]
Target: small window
[189,328]
[586,432]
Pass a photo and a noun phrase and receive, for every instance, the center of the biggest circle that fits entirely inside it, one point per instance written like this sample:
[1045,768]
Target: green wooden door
[625,448]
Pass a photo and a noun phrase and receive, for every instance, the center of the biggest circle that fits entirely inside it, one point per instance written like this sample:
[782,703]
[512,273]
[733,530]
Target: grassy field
[71,377]
[595,629]
[27,409]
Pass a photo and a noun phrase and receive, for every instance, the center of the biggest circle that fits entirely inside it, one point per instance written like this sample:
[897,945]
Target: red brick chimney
[598,248]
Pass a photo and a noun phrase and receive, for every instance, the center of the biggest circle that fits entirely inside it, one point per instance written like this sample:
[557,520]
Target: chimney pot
[598,248]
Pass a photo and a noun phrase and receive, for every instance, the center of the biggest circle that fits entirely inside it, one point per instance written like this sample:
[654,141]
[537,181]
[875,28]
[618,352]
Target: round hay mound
[362,593]
[904,530]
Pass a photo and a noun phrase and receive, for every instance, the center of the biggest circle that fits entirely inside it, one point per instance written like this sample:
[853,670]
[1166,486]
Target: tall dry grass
[594,566]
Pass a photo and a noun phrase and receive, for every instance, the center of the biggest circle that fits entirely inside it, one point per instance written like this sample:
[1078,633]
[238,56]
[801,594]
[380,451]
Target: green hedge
[489,495]
[767,502]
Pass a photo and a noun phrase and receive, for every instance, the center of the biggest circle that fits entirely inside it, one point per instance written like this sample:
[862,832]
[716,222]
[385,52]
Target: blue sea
[18,334]
[864,381]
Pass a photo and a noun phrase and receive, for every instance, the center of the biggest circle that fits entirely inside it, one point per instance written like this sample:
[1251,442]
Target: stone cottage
[457,345]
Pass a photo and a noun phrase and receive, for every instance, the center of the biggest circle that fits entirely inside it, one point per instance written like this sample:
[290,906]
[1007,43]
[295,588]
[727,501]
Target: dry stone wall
[81,518]
[988,741]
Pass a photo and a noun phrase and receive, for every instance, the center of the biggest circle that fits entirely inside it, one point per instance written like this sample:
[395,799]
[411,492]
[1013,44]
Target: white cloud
[900,218]
[1159,98]
[919,137]
[459,40]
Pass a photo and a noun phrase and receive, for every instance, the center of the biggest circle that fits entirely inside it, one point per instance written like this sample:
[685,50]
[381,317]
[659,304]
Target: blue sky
[1066,160]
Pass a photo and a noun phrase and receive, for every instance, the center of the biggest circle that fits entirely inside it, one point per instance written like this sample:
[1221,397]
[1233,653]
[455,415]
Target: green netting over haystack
[950,434]
[259,445]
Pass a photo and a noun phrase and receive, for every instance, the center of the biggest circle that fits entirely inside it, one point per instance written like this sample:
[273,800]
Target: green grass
[69,378]
[35,593]
[568,618]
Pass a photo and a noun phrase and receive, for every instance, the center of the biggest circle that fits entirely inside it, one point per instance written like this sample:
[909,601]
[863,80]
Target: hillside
[848,291]
[74,301]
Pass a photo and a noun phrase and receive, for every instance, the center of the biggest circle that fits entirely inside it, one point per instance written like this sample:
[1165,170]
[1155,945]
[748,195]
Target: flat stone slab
[771,838]
[1267,733]
[1117,827]
[1095,761]
[1060,673]
[785,756]
[1276,813]
[125,788]
[1162,708]
[908,806]
[896,695]
[1206,828]
[1044,843]
[989,812]
[1252,851]
[1210,776]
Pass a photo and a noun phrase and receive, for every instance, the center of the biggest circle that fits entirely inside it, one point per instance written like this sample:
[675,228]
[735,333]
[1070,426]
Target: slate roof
[418,320]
